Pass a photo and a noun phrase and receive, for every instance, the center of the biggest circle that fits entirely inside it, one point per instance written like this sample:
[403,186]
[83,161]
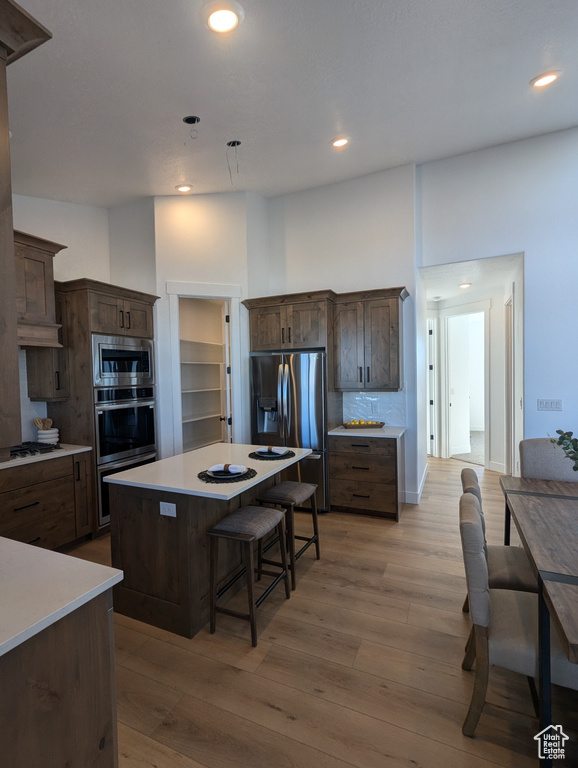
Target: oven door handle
[128,404]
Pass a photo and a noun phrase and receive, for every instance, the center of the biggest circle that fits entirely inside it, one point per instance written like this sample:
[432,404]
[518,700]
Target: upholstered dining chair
[505,622]
[508,567]
[542,459]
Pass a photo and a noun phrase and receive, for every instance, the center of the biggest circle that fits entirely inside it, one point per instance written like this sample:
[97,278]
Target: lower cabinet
[47,503]
[365,475]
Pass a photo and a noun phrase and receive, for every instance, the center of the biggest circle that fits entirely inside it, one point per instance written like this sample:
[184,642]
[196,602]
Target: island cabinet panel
[58,695]
[166,559]
[365,475]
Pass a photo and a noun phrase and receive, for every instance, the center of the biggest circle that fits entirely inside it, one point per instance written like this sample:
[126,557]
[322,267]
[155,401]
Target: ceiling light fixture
[340,142]
[545,79]
[184,188]
[222,15]
[465,285]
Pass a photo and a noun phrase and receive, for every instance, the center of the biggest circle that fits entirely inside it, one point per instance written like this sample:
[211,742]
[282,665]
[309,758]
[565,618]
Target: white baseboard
[497,467]
[411,497]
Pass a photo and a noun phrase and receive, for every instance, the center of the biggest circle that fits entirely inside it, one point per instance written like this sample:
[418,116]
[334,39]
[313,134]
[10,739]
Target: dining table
[545,514]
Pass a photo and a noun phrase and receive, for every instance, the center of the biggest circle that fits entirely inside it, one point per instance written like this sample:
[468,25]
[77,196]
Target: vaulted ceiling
[96,113]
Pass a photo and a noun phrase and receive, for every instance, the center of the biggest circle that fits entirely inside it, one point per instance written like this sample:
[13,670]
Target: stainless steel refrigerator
[288,407]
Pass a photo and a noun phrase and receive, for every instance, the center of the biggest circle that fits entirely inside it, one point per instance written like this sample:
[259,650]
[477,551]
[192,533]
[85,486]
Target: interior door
[458,385]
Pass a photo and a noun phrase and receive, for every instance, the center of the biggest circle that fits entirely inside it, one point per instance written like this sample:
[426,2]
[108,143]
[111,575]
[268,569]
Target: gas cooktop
[32,449]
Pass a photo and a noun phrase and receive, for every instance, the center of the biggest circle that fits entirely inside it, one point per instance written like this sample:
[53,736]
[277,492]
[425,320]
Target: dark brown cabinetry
[46,367]
[365,475]
[47,503]
[368,340]
[114,315]
[295,321]
[35,306]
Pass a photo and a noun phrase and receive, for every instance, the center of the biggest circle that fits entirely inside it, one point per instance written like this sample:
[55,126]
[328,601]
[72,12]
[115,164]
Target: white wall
[519,197]
[132,246]
[82,228]
[476,371]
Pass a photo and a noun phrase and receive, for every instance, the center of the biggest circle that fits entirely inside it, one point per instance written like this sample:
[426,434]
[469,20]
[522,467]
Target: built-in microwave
[119,361]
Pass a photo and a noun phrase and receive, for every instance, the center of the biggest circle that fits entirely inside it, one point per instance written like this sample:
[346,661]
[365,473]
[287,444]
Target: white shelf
[189,420]
[192,391]
[196,362]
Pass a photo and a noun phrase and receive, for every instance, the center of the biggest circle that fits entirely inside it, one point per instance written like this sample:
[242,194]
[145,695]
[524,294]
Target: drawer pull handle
[128,320]
[27,506]
[359,445]
[121,318]
[361,374]
[368,374]
[34,540]
[359,496]
[57,380]
[366,469]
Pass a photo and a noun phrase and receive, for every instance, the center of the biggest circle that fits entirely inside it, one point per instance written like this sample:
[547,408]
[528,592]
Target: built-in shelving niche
[205,385]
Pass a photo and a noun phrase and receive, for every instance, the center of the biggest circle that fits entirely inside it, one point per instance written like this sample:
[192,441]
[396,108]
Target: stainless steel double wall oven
[124,404]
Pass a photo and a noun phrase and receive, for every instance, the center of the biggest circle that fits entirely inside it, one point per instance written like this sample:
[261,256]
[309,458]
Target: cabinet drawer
[37,472]
[51,532]
[379,445]
[373,497]
[362,467]
[27,505]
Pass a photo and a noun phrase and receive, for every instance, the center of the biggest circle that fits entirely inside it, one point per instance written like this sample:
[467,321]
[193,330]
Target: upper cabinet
[368,334]
[35,306]
[120,315]
[295,321]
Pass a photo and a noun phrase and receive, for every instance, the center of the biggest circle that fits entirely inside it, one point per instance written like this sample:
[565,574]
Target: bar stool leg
[250,566]
[213,566]
[315,525]
[259,558]
[290,517]
[282,547]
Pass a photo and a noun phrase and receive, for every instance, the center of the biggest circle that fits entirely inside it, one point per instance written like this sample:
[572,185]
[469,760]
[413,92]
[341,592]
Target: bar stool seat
[246,525]
[289,494]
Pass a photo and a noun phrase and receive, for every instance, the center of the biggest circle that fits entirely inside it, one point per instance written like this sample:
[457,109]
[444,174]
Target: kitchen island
[160,514]
[57,692]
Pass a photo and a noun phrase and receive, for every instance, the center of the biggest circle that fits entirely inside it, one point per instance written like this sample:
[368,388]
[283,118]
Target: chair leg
[259,558]
[470,652]
[466,605]
[315,525]
[250,565]
[213,566]
[283,548]
[480,682]
[290,518]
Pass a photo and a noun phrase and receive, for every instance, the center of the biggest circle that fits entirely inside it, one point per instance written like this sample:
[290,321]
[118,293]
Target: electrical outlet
[168,509]
[549,405]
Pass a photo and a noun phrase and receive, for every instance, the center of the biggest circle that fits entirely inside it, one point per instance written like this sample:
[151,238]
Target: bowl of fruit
[363,424]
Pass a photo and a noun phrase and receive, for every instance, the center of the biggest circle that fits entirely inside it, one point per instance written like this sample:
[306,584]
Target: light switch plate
[168,509]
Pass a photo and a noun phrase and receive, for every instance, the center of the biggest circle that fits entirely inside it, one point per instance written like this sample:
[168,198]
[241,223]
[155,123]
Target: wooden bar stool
[289,494]
[246,525]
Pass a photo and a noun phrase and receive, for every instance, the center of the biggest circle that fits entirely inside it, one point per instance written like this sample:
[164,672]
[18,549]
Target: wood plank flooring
[361,667]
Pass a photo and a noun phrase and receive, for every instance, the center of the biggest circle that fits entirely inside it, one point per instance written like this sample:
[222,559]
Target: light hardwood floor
[361,667]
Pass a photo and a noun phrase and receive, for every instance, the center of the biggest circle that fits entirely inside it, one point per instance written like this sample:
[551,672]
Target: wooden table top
[535,487]
[562,602]
[548,527]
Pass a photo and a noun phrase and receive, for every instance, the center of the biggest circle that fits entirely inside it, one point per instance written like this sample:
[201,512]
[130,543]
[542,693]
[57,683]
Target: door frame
[232,294]
[483,306]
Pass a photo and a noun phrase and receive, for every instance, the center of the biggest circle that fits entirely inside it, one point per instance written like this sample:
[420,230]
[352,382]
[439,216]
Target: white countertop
[178,474]
[64,450]
[38,587]
[394,432]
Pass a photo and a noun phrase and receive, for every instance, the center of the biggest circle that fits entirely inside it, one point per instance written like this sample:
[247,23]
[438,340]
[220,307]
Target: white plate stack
[48,435]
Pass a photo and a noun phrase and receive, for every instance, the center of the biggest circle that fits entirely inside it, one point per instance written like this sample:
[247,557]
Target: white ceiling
[442,282]
[96,113]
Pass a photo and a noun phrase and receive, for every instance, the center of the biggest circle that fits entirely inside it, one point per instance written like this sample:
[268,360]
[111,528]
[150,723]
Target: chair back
[470,483]
[542,459]
[474,551]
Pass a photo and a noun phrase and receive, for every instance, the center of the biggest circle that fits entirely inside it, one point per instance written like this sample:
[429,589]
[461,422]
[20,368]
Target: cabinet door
[381,344]
[349,346]
[46,367]
[268,328]
[34,285]
[307,325]
[137,319]
[106,314]
[84,505]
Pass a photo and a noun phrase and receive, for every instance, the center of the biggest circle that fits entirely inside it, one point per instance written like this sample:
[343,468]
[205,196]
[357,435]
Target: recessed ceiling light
[436,298]
[465,285]
[184,188]
[340,142]
[222,15]
[545,79]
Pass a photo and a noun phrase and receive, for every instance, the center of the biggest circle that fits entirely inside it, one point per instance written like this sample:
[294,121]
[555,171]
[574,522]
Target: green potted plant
[569,445]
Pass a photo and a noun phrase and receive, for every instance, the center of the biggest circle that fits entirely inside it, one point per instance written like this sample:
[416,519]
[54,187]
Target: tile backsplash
[28,409]
[389,407]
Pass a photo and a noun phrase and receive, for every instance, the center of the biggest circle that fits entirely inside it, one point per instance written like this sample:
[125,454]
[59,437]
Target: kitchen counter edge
[391,432]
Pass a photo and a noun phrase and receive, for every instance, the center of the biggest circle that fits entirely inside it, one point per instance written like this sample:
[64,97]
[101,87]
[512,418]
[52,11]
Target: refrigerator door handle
[280,408]
[286,400]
